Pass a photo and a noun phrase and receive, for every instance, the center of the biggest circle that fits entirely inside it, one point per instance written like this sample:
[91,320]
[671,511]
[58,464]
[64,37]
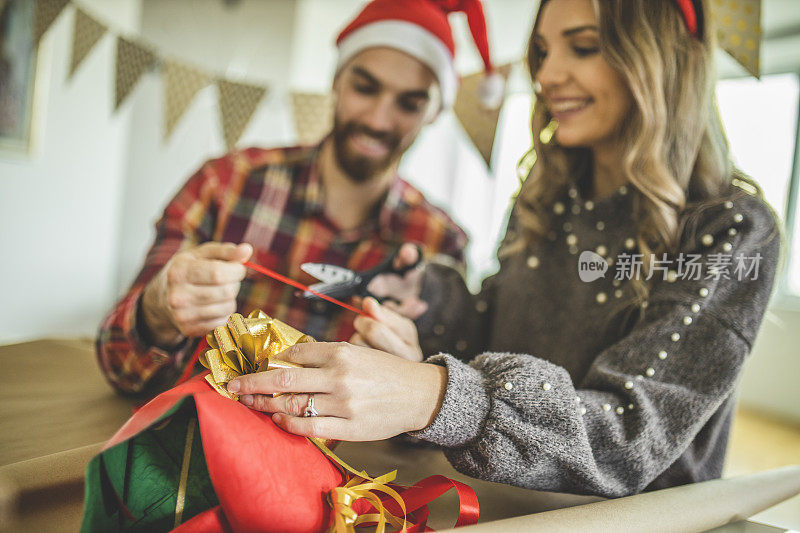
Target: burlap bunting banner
[132,61]
[237,103]
[479,123]
[313,116]
[46,12]
[738,26]
[86,32]
[181,84]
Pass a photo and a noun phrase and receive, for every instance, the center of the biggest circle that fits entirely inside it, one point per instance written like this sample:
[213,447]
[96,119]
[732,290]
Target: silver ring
[309,410]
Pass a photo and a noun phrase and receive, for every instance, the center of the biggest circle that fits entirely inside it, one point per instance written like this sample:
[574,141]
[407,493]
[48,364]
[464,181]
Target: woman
[577,379]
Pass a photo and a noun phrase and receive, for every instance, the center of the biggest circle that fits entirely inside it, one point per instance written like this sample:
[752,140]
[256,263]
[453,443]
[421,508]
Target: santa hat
[420,29]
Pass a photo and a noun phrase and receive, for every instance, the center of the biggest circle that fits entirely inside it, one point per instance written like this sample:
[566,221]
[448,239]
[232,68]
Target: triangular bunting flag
[132,61]
[479,123]
[237,103]
[181,84]
[46,12]
[313,116]
[87,31]
[739,31]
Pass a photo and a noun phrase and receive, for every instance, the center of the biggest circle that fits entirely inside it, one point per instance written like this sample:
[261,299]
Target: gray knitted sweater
[552,386]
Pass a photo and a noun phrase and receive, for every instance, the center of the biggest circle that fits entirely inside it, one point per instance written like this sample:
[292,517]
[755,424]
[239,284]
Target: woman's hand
[404,289]
[387,330]
[359,393]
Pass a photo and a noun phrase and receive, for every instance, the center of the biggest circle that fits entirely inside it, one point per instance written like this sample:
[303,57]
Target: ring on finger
[310,410]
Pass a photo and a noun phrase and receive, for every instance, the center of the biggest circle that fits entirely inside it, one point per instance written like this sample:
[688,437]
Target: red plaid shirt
[271,199]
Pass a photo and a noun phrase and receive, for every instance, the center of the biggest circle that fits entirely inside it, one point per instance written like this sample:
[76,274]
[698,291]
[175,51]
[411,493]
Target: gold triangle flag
[237,103]
[46,12]
[738,27]
[132,61]
[313,116]
[87,31]
[181,85]
[479,122]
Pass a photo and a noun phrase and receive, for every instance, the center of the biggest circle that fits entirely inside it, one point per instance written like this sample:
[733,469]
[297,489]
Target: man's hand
[387,330]
[359,393]
[403,289]
[194,292]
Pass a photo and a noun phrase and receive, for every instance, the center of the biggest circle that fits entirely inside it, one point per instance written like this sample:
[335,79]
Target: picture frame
[18,73]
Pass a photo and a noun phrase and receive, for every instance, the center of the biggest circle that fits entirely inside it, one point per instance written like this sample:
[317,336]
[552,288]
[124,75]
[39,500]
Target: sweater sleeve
[520,419]
[457,321]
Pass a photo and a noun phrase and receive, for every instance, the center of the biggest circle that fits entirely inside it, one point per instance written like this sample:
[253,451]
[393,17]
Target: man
[340,202]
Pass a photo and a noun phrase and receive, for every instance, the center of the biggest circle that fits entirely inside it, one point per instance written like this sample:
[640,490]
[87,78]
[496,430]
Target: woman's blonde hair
[675,150]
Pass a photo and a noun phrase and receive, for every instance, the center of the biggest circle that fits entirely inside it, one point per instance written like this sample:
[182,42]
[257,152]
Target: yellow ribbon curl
[249,345]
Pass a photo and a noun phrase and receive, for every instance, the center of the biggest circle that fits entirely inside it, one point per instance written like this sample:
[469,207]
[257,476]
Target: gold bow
[345,519]
[245,346]
[248,345]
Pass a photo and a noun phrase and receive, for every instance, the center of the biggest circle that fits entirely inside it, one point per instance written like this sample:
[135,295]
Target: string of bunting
[237,100]
[738,28]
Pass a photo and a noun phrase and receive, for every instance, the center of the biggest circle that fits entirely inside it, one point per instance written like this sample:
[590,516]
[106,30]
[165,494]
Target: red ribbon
[187,373]
[417,497]
[430,488]
[293,283]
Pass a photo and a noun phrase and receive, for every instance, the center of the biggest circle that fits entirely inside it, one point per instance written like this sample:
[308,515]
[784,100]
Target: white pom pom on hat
[421,29]
[492,90]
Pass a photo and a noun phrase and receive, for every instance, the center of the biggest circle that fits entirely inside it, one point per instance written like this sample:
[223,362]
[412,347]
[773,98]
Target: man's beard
[361,168]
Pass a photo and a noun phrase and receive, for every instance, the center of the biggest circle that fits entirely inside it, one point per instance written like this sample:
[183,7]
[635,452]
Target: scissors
[340,282]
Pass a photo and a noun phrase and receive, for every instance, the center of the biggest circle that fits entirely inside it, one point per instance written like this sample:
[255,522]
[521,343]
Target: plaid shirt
[272,199]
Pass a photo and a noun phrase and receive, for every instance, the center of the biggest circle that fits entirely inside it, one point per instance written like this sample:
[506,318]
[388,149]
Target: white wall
[58,210]
[316,27]
[251,42]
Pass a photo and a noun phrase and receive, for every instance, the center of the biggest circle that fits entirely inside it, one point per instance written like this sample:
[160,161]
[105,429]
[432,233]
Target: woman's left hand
[360,393]
[387,330]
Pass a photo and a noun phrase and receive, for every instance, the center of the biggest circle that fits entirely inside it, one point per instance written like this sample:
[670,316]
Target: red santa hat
[420,29]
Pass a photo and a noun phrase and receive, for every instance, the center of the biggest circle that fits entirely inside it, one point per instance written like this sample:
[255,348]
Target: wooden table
[53,399]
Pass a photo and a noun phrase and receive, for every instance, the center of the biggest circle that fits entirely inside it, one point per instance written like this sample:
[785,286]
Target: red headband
[689,16]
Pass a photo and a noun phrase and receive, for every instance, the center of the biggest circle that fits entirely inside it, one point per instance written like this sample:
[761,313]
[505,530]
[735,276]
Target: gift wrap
[195,459]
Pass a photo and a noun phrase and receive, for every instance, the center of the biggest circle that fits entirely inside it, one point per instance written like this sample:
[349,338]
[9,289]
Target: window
[760,118]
